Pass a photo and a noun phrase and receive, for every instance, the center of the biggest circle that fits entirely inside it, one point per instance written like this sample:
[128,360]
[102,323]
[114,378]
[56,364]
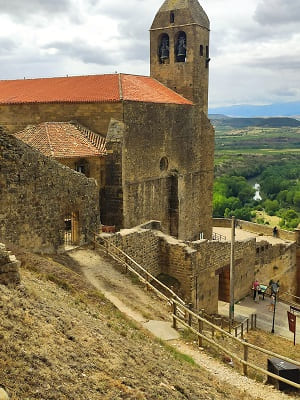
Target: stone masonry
[36,195]
[200,265]
[9,273]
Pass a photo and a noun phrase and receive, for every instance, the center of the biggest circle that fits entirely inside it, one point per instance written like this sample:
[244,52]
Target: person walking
[256,290]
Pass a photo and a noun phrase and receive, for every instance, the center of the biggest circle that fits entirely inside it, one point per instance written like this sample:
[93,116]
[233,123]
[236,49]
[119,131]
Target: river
[257,196]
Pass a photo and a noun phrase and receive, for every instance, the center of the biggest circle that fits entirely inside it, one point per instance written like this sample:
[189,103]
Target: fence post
[174,314]
[229,326]
[190,315]
[200,326]
[236,331]
[255,320]
[247,325]
[242,330]
[245,367]
[252,321]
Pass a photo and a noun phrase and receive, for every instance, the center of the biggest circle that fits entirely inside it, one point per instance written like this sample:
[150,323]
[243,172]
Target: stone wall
[167,168]
[199,265]
[95,166]
[95,116]
[36,195]
[277,262]
[9,273]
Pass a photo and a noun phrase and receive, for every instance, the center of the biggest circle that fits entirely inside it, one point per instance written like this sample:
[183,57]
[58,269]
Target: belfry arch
[180,46]
[163,48]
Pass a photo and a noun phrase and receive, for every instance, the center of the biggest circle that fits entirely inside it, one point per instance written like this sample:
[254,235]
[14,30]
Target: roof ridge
[120,87]
[96,139]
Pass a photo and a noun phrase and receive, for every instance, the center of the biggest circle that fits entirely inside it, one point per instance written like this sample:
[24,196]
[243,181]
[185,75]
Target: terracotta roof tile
[88,89]
[63,140]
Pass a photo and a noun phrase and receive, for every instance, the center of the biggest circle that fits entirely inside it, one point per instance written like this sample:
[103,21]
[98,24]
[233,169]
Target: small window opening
[82,166]
[172,17]
[163,164]
[180,47]
[163,49]
[207,56]
[201,50]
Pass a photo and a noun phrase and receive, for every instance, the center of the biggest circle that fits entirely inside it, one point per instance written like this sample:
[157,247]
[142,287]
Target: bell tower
[179,49]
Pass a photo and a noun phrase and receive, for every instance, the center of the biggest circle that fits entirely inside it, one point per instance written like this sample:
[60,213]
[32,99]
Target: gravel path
[123,293]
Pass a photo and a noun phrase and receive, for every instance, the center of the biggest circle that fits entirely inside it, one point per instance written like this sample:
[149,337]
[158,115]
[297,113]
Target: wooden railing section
[206,331]
[184,315]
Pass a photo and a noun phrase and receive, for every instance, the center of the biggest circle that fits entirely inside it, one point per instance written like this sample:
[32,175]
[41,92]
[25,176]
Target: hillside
[223,121]
[269,110]
[62,340]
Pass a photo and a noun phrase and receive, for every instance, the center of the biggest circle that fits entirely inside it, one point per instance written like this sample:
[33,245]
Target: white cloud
[253,43]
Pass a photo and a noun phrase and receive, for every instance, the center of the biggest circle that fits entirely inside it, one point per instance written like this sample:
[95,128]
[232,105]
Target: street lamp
[274,288]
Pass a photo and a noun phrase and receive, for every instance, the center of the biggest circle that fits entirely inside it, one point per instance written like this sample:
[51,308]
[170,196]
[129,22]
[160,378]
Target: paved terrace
[241,234]
[248,306]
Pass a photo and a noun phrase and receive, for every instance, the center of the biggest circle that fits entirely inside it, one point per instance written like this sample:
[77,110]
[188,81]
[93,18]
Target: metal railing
[218,236]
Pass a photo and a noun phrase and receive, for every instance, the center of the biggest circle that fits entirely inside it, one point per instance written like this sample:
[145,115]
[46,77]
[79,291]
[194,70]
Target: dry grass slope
[61,340]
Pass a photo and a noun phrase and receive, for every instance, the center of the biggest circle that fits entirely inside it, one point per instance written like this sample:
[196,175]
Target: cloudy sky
[255,44]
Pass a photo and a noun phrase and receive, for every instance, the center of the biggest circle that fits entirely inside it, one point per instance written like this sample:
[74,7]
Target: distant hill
[271,110]
[239,123]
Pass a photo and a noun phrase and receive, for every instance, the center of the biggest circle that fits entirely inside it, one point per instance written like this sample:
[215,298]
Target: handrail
[245,344]
[153,278]
[187,311]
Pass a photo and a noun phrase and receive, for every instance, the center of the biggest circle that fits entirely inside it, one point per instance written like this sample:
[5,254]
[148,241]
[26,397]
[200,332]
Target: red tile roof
[63,140]
[88,89]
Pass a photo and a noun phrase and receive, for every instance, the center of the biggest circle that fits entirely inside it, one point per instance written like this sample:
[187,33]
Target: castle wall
[198,265]
[95,116]
[181,189]
[36,195]
[277,262]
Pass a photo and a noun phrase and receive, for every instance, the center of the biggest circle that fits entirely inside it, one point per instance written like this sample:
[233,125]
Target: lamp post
[231,305]
[275,291]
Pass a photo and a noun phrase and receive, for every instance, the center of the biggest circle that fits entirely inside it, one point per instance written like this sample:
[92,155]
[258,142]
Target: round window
[163,164]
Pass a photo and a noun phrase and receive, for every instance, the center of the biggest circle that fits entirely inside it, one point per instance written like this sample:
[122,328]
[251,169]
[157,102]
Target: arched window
[172,17]
[180,47]
[163,48]
[201,50]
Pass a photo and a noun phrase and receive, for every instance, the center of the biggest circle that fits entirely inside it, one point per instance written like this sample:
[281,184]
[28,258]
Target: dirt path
[145,308]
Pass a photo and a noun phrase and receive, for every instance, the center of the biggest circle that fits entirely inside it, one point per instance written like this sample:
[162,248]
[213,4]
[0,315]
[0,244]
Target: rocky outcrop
[9,268]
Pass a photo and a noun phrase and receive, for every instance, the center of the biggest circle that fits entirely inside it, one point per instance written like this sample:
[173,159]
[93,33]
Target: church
[146,140]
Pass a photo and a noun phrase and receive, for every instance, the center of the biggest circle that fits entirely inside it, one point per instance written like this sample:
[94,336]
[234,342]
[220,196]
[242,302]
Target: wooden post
[212,332]
[174,314]
[229,327]
[252,321]
[200,326]
[255,320]
[222,323]
[236,331]
[247,325]
[232,270]
[242,330]
[245,367]
[190,315]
